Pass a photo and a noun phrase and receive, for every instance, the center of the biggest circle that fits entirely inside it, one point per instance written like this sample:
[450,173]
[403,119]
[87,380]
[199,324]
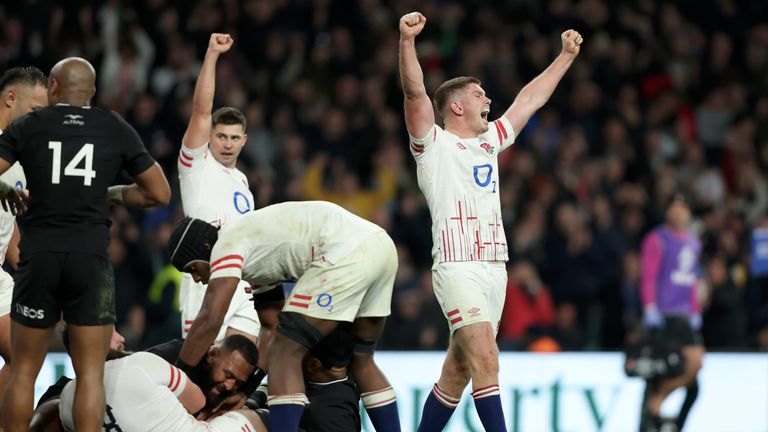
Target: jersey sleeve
[136,158]
[10,141]
[189,159]
[162,373]
[422,146]
[650,256]
[227,258]
[503,132]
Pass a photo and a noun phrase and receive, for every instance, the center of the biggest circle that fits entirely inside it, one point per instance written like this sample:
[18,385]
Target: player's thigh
[329,291]
[5,337]
[379,257]
[35,300]
[6,296]
[29,346]
[476,340]
[88,347]
[694,356]
[368,328]
[6,292]
[470,293]
[87,291]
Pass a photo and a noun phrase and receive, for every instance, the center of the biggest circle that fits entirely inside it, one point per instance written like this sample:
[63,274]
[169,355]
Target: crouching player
[344,268]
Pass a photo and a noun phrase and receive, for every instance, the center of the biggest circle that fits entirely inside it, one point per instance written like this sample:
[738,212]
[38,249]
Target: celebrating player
[212,188]
[457,171]
[71,153]
[23,90]
[670,257]
[344,268]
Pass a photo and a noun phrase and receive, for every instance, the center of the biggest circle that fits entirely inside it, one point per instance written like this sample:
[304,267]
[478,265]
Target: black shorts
[79,284]
[678,332]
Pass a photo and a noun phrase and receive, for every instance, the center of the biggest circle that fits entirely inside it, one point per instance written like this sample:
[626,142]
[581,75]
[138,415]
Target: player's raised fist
[220,43]
[412,24]
[571,42]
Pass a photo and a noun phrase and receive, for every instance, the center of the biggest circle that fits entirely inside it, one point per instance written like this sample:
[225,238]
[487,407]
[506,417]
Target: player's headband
[191,240]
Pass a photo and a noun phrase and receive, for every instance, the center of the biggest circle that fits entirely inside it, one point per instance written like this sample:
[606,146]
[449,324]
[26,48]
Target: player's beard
[206,384]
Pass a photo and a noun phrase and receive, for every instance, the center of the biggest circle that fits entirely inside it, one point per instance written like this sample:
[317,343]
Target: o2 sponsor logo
[324,301]
[483,175]
[242,204]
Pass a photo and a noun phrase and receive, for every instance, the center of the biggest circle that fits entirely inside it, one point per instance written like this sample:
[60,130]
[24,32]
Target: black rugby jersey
[70,156]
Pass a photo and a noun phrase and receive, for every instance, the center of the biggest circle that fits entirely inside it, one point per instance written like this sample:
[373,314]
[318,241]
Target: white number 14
[85,154]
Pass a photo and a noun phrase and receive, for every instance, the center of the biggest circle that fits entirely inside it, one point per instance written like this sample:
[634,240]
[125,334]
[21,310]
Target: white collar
[329,383]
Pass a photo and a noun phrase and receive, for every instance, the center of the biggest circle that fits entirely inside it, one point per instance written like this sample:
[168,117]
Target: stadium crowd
[666,97]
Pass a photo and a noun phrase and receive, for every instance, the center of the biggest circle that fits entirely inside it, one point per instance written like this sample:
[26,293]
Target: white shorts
[240,316]
[232,421]
[358,285]
[470,292]
[6,292]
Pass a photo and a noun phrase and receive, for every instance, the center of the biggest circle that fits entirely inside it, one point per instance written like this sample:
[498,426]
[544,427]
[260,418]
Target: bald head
[72,80]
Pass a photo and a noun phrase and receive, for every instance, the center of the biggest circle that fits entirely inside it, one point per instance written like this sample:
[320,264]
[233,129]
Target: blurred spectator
[661,100]
[725,324]
[528,309]
[346,189]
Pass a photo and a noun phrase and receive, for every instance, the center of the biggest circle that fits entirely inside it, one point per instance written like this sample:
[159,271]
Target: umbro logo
[460,146]
[474,311]
[73,120]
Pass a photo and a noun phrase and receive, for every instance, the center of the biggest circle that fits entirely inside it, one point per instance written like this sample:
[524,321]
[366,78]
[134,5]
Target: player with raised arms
[457,170]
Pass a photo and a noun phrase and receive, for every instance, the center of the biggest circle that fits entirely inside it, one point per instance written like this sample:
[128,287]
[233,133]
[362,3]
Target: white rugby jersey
[209,190]
[142,393]
[460,180]
[279,242]
[14,177]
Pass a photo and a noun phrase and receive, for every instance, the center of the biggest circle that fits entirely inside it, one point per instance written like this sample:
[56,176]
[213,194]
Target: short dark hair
[228,116]
[244,346]
[28,75]
[448,88]
[336,349]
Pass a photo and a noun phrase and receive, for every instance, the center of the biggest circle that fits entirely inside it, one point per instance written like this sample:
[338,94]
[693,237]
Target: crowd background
[665,97]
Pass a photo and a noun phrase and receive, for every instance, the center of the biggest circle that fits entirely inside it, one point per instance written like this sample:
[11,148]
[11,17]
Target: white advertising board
[566,392]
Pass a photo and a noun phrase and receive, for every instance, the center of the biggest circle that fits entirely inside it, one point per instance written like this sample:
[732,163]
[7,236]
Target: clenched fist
[411,25]
[571,42]
[220,43]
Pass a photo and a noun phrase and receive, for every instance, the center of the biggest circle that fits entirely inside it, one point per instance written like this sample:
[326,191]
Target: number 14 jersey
[459,177]
[71,155]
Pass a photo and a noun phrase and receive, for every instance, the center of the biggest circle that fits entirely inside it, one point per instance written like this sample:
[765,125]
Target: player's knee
[485,360]
[457,375]
[693,363]
[693,366]
[294,327]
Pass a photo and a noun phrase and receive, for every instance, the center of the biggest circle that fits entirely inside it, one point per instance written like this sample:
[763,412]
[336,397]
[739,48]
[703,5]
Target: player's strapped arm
[150,190]
[206,326]
[199,128]
[419,114]
[12,199]
[537,92]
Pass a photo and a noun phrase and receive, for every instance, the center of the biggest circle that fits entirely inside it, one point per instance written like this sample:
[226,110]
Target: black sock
[691,392]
